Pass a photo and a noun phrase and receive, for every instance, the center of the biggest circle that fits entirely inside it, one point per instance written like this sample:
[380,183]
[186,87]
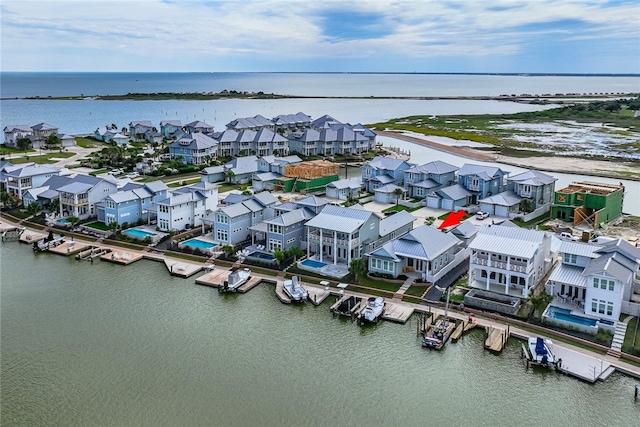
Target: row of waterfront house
[594,281]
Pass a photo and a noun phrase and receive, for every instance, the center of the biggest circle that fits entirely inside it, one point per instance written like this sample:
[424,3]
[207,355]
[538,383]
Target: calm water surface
[100,344]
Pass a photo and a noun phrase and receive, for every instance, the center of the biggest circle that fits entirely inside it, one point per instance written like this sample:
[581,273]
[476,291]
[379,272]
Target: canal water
[101,344]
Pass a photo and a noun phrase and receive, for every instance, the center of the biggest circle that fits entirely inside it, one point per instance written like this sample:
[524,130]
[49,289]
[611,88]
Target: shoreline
[571,165]
[519,329]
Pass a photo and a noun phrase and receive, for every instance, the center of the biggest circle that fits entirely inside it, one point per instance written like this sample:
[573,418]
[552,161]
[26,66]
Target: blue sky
[476,36]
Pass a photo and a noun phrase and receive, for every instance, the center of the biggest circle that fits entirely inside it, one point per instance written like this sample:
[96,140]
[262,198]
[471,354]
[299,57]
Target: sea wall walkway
[577,361]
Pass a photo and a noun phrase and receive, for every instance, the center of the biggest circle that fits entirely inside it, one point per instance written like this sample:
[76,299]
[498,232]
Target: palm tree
[73,220]
[358,268]
[296,252]
[398,192]
[33,208]
[280,256]
[5,198]
[23,143]
[229,175]
[228,250]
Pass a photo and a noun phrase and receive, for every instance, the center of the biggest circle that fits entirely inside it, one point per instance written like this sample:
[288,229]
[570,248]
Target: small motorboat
[541,351]
[295,290]
[438,333]
[373,310]
[235,279]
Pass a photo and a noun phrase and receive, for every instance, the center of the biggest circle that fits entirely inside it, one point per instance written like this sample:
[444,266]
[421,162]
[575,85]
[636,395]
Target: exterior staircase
[618,339]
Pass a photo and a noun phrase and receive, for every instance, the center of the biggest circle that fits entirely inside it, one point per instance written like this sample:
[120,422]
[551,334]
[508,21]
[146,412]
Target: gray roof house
[451,198]
[424,250]
[421,180]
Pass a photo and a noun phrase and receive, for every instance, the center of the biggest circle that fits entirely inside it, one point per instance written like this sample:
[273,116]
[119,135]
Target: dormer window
[570,258]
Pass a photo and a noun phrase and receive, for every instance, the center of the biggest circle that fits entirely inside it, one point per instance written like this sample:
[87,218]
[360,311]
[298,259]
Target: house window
[612,285]
[596,282]
[601,306]
[570,258]
[222,235]
[594,305]
[275,245]
[609,308]
[222,219]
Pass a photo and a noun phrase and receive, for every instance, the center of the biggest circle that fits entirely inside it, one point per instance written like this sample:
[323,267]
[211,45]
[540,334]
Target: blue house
[422,180]
[425,251]
[451,198]
[231,224]
[169,128]
[194,149]
[132,203]
[383,170]
[287,230]
[481,181]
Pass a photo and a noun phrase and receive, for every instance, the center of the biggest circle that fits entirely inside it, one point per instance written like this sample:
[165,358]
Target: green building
[593,204]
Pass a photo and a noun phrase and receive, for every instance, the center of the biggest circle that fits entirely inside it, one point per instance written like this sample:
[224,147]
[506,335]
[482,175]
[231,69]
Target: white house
[509,260]
[185,207]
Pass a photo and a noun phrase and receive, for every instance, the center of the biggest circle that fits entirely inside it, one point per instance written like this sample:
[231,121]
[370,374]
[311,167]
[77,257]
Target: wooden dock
[32,237]
[398,313]
[282,296]
[182,269]
[251,283]
[496,338]
[213,278]
[121,257]
[69,248]
[316,294]
[92,252]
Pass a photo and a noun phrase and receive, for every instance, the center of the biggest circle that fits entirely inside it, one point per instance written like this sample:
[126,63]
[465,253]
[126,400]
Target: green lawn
[394,208]
[184,182]
[541,218]
[98,226]
[379,284]
[632,332]
[89,143]
[416,290]
[41,159]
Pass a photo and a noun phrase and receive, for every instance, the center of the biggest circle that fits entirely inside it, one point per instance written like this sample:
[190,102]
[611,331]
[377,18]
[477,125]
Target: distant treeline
[231,94]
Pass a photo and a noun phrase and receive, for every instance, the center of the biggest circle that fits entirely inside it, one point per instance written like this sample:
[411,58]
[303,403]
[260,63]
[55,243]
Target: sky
[431,36]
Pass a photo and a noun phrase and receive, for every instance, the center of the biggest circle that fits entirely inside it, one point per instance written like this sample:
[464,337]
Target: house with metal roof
[389,193]
[241,169]
[13,133]
[344,188]
[381,170]
[132,203]
[138,128]
[291,121]
[186,207]
[198,127]
[250,123]
[534,185]
[509,260]
[42,131]
[22,177]
[465,232]
[270,169]
[421,180]
[79,197]
[194,149]
[169,128]
[481,181]
[596,281]
[451,198]
[232,224]
[287,230]
[425,250]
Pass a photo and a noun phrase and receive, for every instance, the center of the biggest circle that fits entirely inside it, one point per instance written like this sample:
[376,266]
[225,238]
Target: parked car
[132,175]
[568,236]
[116,172]
[482,215]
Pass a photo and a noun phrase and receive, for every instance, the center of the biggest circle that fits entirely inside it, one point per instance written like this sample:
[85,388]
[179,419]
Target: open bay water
[102,344]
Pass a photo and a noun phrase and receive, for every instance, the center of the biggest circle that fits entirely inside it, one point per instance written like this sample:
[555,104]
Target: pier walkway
[576,361]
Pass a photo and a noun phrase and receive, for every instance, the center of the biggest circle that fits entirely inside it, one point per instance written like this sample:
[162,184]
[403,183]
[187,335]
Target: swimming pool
[564,314]
[261,255]
[197,243]
[313,264]
[136,232]
[62,221]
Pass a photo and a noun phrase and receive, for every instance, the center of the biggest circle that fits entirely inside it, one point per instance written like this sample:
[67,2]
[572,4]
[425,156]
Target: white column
[335,247]
[488,278]
[508,282]
[349,251]
[321,245]
[308,244]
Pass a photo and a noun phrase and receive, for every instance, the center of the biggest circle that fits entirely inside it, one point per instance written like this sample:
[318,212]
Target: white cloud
[171,35]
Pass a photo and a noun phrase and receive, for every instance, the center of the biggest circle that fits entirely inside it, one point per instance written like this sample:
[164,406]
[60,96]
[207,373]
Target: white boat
[235,279]
[541,351]
[373,310]
[295,290]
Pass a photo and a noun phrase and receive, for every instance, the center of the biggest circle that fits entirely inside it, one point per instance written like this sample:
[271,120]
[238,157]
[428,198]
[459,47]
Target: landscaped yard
[632,333]
[40,159]
[98,226]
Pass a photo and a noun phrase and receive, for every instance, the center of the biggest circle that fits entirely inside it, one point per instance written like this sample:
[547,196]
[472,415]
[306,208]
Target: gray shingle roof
[485,172]
[436,167]
[532,178]
[453,192]
[265,198]
[395,221]
[506,198]
[465,230]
